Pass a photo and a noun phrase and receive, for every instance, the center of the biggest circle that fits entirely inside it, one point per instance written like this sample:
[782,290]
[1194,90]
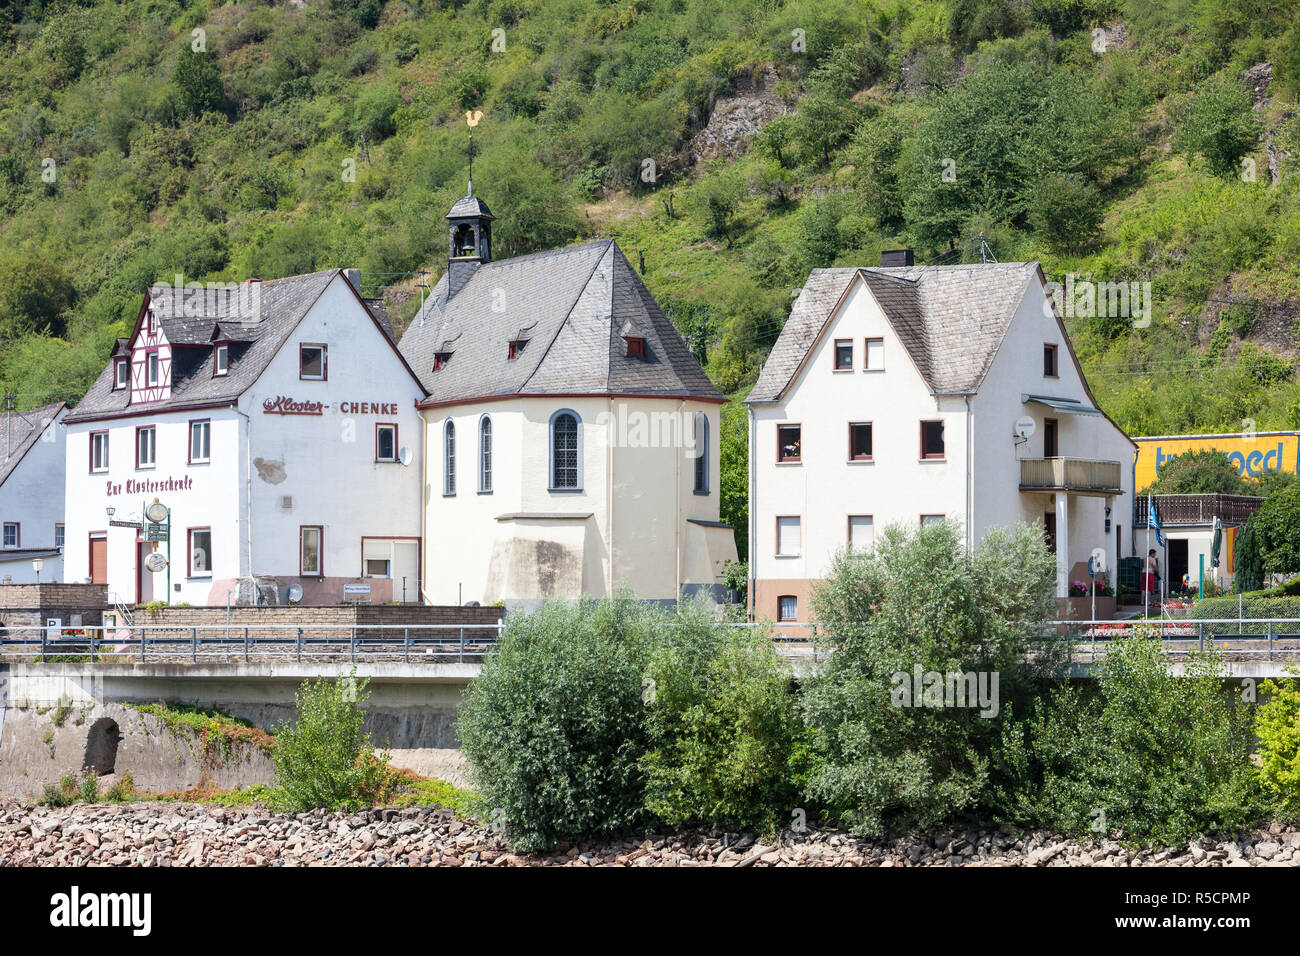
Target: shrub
[1248,558]
[1277,726]
[918,604]
[1203,471]
[724,728]
[1153,755]
[554,726]
[323,757]
[64,794]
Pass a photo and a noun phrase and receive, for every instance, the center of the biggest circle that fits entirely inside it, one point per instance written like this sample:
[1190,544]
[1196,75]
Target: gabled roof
[19,431]
[573,304]
[255,341]
[950,319]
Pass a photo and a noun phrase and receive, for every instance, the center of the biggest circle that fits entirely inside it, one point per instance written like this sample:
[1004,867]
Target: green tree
[1277,726]
[1154,755]
[34,295]
[733,466]
[1217,123]
[323,757]
[1248,559]
[197,79]
[724,730]
[1278,526]
[1201,472]
[919,604]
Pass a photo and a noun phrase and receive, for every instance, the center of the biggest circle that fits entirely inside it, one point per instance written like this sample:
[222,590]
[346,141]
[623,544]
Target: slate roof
[951,320]
[573,307]
[19,431]
[283,303]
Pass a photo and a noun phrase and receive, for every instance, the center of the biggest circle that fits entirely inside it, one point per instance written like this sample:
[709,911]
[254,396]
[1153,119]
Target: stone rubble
[177,834]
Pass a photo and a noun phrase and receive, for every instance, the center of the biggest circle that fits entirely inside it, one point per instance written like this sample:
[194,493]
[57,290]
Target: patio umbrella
[1217,545]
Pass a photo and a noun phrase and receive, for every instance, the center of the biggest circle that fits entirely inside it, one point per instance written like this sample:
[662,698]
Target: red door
[99,559]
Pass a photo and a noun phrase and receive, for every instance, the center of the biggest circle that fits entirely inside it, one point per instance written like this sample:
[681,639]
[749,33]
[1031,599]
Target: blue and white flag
[1153,520]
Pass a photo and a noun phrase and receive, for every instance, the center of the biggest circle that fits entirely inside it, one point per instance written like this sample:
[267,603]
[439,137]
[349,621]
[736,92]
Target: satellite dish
[1024,427]
[156,561]
[295,593]
[156,512]
[404,456]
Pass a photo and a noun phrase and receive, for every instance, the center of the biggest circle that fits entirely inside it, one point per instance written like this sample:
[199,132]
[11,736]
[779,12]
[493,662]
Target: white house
[31,494]
[893,395]
[572,439]
[277,421]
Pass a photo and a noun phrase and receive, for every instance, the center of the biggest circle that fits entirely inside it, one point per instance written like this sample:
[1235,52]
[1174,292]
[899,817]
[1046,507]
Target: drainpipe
[609,498]
[248,490]
[752,518]
[970,480]
[677,496]
[422,559]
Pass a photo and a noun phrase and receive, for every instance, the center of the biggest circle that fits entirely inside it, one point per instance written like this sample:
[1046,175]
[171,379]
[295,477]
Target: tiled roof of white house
[253,344]
[19,431]
[573,308]
[951,320]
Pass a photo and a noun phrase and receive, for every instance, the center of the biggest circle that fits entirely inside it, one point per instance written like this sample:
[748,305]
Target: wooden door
[99,559]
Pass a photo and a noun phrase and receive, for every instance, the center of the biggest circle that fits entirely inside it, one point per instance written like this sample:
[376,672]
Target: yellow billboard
[1253,454]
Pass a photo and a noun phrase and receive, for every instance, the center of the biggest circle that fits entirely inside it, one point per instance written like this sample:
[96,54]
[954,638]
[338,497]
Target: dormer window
[119,373]
[220,360]
[440,359]
[516,347]
[635,346]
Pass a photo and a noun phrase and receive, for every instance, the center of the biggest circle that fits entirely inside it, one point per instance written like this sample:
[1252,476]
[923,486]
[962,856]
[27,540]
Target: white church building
[276,427]
[909,394]
[571,439]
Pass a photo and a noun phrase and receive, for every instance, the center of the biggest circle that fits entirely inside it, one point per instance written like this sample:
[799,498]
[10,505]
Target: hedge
[1256,608]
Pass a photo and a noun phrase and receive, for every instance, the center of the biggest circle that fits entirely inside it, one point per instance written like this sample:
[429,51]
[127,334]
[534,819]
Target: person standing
[1151,579]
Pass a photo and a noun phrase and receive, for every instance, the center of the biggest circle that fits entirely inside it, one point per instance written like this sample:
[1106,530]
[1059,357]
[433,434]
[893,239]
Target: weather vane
[472,118]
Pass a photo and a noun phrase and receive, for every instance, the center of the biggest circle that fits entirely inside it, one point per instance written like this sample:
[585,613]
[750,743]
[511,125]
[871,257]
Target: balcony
[1193,510]
[1080,476]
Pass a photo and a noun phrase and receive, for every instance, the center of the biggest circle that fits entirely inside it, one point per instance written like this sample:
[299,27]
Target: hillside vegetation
[1111,139]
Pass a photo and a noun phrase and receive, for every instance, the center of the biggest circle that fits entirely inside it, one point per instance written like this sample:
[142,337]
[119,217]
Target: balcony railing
[1196,509]
[1081,475]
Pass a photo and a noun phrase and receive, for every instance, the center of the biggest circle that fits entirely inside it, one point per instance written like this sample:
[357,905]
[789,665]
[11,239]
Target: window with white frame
[566,452]
[200,441]
[12,535]
[99,451]
[875,355]
[200,552]
[311,540]
[485,455]
[153,375]
[701,439]
[119,373]
[788,536]
[221,360]
[58,535]
[145,447]
[386,442]
[312,364]
[449,458]
[862,534]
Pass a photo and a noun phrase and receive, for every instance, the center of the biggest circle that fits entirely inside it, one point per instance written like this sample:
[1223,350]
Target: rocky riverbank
[176,834]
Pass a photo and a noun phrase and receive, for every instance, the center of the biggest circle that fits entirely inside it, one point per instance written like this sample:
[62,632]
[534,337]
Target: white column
[1062,544]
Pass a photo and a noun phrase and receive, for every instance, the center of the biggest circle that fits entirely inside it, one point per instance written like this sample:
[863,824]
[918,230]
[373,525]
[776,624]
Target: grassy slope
[582,91]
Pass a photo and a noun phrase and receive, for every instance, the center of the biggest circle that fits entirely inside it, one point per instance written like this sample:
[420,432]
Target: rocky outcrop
[736,117]
[199,835]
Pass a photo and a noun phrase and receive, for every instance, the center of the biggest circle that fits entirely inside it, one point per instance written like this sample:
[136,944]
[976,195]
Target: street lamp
[37,564]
